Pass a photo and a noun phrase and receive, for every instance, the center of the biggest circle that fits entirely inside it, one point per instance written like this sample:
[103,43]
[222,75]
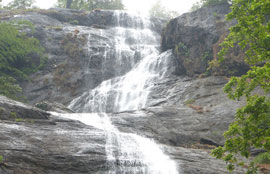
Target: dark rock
[195,39]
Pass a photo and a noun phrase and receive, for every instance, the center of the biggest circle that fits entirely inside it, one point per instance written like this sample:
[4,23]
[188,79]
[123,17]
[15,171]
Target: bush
[263,158]
[20,55]
[205,3]
[9,87]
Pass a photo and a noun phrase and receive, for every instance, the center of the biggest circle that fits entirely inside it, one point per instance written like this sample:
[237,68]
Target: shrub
[263,158]
[20,55]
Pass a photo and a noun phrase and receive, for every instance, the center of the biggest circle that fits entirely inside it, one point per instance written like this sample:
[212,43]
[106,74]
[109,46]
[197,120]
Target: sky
[142,6]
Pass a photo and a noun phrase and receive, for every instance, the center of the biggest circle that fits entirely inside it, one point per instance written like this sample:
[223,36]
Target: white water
[126,152]
[130,91]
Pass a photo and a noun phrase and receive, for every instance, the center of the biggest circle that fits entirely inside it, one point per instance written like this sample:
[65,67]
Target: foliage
[1,158]
[158,10]
[213,2]
[181,48]
[9,87]
[251,128]
[196,6]
[20,4]
[263,158]
[20,55]
[92,4]
[205,3]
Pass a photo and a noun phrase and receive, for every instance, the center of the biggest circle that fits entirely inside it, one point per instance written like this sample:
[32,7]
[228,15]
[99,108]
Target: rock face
[183,112]
[195,39]
[54,145]
[47,144]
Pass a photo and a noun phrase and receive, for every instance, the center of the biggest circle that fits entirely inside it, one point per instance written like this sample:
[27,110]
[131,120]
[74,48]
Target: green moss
[13,115]
[24,120]
[19,120]
[74,22]
[189,101]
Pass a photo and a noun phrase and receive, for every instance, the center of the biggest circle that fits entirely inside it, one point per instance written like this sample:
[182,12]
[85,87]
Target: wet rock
[57,145]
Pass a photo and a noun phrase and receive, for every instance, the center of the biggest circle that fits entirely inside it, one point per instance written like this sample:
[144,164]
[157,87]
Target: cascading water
[136,54]
[130,91]
[127,153]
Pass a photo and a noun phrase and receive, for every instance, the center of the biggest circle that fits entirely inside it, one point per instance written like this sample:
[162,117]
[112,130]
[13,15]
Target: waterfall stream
[127,153]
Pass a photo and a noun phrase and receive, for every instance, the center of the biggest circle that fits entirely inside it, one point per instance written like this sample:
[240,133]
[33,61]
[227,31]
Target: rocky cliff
[89,59]
[195,39]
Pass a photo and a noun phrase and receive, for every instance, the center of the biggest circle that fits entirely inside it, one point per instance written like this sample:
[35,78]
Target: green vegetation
[9,88]
[91,4]
[207,56]
[20,55]
[189,101]
[20,4]
[263,158]
[182,49]
[251,126]
[13,115]
[205,3]
[1,158]
[158,10]
[42,106]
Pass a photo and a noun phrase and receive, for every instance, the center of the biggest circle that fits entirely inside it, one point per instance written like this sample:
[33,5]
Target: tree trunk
[68,5]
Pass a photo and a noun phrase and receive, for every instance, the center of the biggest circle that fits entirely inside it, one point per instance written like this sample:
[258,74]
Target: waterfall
[127,152]
[132,36]
[133,56]
[128,92]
